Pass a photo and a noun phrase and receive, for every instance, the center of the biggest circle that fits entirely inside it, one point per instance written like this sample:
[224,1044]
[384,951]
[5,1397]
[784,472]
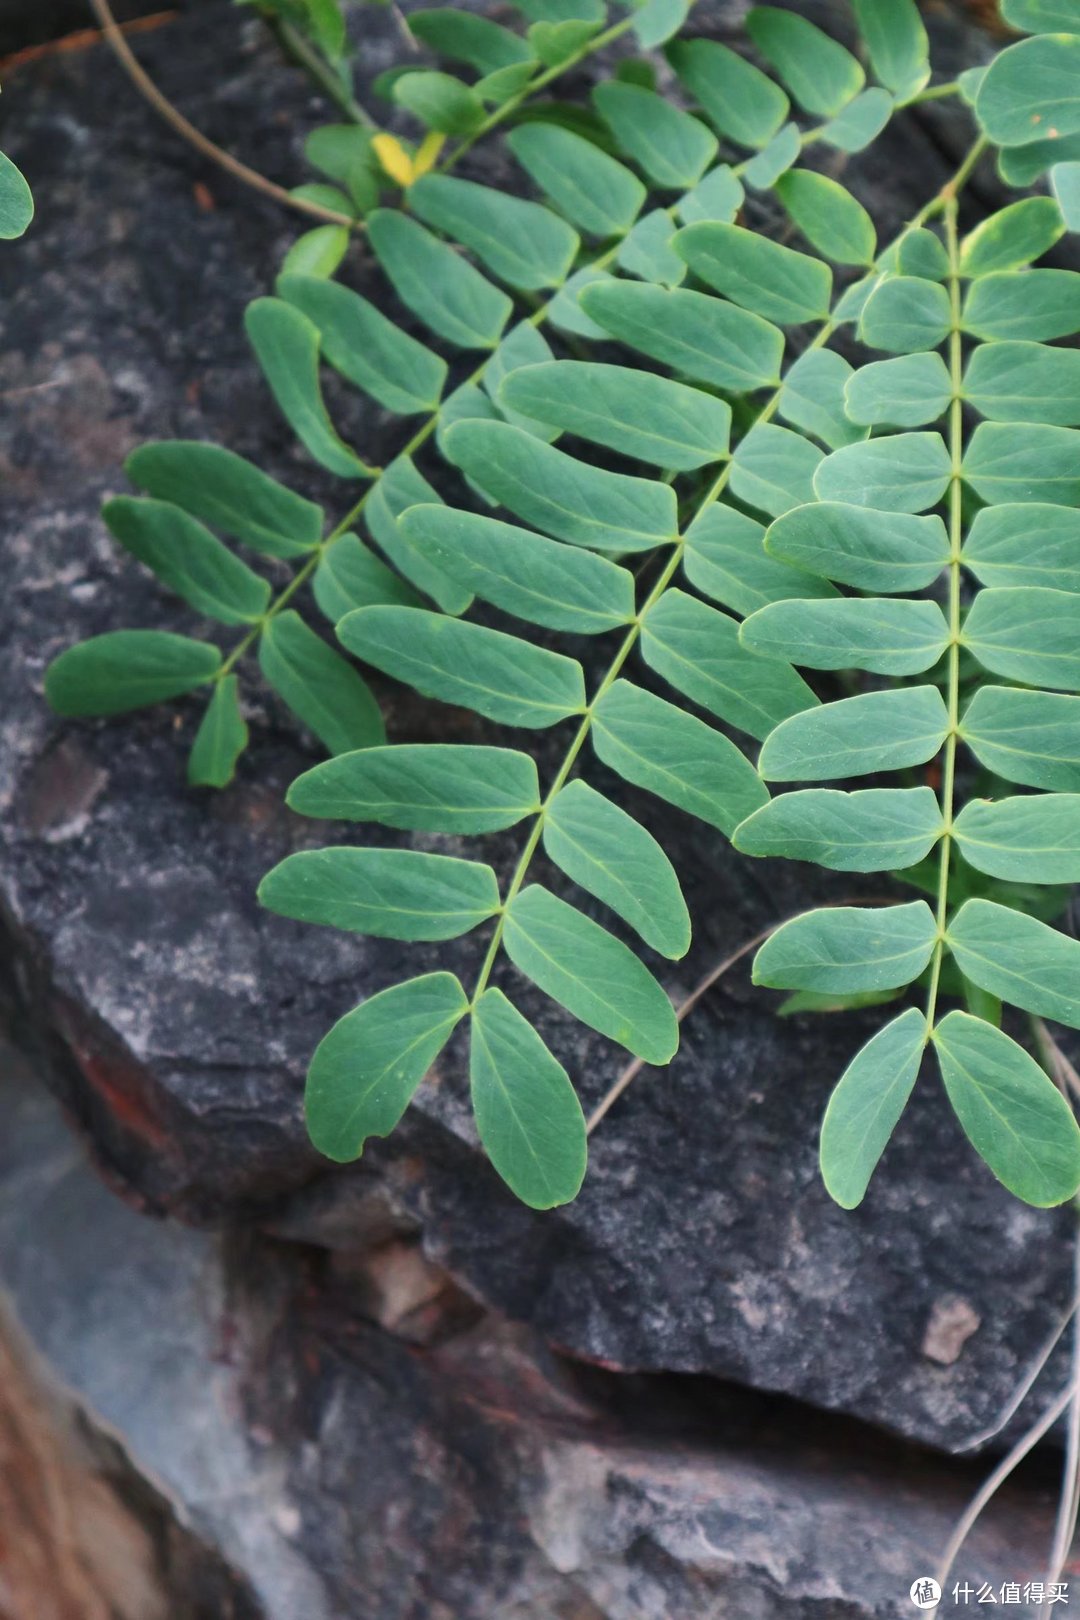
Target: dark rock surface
[177,1019]
[345,1443]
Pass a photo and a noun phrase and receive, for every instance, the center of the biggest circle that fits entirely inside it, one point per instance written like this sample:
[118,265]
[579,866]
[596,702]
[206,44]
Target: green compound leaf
[773,469]
[812,398]
[228,492]
[648,417]
[763,171]
[918,253]
[590,972]
[1032,90]
[673,148]
[1018,959]
[887,638]
[1011,1112]
[320,688]
[906,392]
[1033,304]
[661,748]
[874,830]
[366,1070]
[610,855]
[388,893]
[440,101]
[343,152]
[897,43]
[540,580]
[527,1112]
[1028,544]
[497,675]
[907,472]
[647,251]
[350,576]
[523,346]
[1065,184]
[1014,237]
[519,241]
[1027,737]
[422,787]
[1025,382]
[1024,462]
[188,558]
[1027,633]
[718,197]
[861,121]
[845,948]
[737,98]
[905,314]
[821,75]
[127,669]
[286,346]
[702,337]
[657,20]
[562,496]
[592,190]
[400,487]
[1042,16]
[318,252]
[828,216]
[16,201]
[476,41]
[723,558]
[866,1106]
[697,649]
[761,275]
[1030,838]
[221,738]
[877,731]
[447,293]
[1023,165]
[874,551]
[369,350]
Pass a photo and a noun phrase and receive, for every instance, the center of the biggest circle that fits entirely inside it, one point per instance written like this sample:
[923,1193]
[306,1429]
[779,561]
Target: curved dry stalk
[990,1487]
[110,28]
[1027,1383]
[1069,1503]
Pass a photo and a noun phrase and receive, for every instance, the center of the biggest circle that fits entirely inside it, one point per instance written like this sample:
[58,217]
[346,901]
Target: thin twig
[295,45]
[702,988]
[1069,1504]
[1027,1383]
[990,1487]
[183,127]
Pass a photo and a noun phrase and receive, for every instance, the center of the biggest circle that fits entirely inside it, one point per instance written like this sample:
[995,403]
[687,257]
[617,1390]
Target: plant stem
[318,69]
[933,92]
[195,137]
[945,199]
[956,536]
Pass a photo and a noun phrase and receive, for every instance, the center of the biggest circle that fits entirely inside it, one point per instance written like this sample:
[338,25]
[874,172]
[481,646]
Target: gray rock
[178,1018]
[323,1467]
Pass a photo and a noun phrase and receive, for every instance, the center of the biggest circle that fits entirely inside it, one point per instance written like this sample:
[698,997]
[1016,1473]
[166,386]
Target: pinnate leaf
[366,1070]
[845,948]
[422,787]
[497,675]
[590,972]
[527,1112]
[127,669]
[1012,1113]
[864,1109]
[611,855]
[320,687]
[389,893]
[221,738]
[876,731]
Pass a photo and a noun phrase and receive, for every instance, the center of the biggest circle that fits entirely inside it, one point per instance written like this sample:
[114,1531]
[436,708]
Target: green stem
[318,68]
[946,199]
[934,92]
[956,537]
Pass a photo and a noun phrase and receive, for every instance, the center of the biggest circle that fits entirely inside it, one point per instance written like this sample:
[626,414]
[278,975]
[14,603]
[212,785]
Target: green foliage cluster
[910,522]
